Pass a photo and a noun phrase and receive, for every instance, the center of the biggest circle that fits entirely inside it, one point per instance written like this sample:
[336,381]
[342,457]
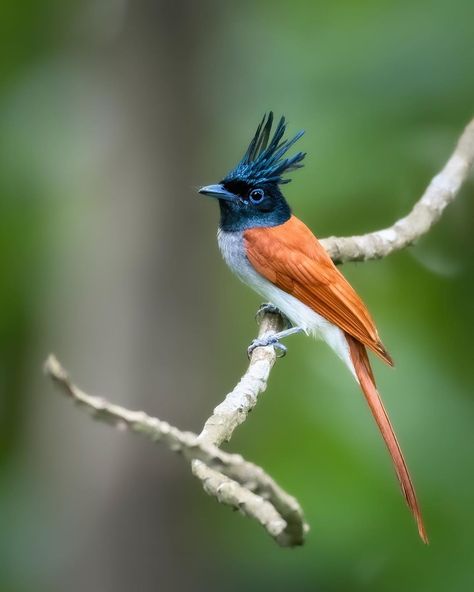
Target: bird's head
[250,195]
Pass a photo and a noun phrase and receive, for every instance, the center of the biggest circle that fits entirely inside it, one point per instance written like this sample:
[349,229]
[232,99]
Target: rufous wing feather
[291,257]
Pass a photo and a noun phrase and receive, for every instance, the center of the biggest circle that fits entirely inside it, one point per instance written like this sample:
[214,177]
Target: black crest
[263,161]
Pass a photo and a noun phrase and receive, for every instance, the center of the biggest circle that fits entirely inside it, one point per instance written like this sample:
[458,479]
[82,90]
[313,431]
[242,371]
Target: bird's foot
[268,307]
[275,341]
[280,349]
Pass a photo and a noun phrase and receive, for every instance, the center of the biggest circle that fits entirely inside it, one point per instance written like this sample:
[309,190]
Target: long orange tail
[367,383]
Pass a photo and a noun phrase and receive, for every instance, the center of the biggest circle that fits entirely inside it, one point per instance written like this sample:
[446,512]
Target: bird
[272,251]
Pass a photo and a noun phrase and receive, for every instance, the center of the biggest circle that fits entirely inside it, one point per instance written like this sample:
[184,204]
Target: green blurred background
[112,113]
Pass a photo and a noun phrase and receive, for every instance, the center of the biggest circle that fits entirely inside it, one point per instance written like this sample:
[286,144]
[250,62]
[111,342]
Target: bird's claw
[280,349]
[268,307]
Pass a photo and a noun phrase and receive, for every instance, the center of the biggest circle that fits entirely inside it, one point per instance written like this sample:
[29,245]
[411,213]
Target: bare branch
[228,477]
[234,409]
[427,211]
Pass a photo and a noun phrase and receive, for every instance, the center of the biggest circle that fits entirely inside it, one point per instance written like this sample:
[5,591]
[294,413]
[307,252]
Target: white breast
[231,245]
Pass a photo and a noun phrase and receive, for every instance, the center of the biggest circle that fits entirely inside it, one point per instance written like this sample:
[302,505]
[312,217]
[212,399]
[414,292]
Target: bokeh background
[112,113]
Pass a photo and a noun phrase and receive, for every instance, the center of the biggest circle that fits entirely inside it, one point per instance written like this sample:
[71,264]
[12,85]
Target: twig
[427,211]
[228,477]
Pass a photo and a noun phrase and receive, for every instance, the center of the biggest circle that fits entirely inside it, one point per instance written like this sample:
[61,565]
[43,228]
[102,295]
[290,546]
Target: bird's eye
[256,195]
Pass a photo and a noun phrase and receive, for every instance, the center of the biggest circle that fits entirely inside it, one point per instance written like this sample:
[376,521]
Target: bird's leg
[275,341]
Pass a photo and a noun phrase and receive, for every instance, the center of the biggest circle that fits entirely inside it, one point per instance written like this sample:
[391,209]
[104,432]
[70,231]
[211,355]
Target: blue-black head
[250,194]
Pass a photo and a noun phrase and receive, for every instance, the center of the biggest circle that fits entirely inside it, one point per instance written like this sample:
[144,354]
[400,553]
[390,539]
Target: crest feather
[263,161]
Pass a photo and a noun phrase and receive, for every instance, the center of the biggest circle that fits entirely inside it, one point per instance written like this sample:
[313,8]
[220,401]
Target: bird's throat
[237,216]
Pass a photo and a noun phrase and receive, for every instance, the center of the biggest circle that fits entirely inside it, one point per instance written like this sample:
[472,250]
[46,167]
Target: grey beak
[217,191]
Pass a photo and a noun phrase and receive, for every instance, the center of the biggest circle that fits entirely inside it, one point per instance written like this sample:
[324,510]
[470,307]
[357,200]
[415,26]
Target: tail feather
[367,382]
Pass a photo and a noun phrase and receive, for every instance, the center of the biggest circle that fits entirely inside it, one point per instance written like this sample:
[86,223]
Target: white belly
[300,315]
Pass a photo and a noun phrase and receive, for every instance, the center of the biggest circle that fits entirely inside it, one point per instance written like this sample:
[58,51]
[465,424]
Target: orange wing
[291,257]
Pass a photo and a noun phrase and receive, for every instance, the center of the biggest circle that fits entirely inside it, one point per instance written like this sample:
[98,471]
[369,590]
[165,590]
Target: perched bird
[277,255]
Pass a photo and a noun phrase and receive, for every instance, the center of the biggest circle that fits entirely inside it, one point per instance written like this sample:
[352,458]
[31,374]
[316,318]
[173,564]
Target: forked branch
[228,477]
